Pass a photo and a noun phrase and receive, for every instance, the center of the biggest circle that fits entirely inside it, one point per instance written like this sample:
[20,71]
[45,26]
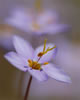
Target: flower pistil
[40,54]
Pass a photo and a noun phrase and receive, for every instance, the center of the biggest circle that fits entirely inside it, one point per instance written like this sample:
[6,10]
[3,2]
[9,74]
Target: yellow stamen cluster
[35,65]
[40,54]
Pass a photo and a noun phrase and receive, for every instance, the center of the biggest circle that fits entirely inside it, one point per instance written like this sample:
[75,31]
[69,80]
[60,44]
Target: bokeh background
[13,82]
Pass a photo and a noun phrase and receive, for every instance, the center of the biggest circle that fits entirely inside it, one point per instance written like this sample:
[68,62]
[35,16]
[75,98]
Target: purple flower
[36,22]
[36,62]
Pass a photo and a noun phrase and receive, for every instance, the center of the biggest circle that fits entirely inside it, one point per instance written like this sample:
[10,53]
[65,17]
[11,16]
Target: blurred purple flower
[36,22]
[35,62]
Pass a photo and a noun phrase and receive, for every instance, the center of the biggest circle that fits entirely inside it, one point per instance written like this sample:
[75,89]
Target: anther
[40,54]
[45,63]
[29,61]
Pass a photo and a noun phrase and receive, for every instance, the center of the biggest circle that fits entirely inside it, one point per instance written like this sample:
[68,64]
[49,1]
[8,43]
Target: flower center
[35,65]
[35,26]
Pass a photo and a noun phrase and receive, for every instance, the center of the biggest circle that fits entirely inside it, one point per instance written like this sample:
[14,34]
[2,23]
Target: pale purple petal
[56,73]
[47,57]
[17,61]
[47,16]
[55,28]
[6,42]
[20,18]
[39,75]
[23,47]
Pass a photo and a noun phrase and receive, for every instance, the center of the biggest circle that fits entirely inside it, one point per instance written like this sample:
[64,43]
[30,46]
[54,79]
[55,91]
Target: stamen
[34,64]
[40,54]
[30,62]
[45,63]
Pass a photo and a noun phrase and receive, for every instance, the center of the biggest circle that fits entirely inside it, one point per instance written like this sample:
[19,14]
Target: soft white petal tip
[67,80]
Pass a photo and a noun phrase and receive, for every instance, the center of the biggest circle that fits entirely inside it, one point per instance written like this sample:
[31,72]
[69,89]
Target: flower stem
[28,88]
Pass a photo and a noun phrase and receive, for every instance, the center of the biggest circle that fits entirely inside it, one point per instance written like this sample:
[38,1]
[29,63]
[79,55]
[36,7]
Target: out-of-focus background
[13,82]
